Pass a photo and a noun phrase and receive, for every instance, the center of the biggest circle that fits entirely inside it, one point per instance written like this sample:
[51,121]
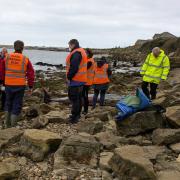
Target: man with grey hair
[155,69]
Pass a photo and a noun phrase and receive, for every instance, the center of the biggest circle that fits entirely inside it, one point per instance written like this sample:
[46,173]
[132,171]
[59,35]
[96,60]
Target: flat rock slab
[169,175]
[10,135]
[175,147]
[77,150]
[140,122]
[105,157]
[9,170]
[90,126]
[132,161]
[56,117]
[173,115]
[166,136]
[35,144]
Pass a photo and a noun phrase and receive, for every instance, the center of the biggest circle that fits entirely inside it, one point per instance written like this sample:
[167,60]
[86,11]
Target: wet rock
[173,115]
[9,170]
[105,157]
[169,175]
[39,122]
[166,136]
[175,147]
[132,161]
[90,126]
[35,144]
[140,122]
[10,135]
[108,140]
[57,116]
[77,149]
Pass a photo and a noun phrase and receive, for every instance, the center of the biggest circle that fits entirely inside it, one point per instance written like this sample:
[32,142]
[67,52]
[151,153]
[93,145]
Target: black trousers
[75,96]
[3,99]
[152,92]
[85,98]
[102,97]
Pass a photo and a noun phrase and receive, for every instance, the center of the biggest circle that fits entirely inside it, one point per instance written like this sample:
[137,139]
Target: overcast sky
[96,23]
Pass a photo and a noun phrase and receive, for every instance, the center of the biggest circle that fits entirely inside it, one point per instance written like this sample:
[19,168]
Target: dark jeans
[75,96]
[152,92]
[86,98]
[3,99]
[14,99]
[102,97]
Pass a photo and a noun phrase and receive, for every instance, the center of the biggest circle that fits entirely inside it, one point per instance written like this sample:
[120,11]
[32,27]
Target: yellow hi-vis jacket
[155,69]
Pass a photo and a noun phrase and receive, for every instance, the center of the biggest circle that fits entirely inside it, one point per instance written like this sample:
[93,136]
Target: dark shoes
[74,120]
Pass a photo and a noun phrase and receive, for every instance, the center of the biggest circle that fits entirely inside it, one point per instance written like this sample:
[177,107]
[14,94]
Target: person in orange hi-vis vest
[90,77]
[17,69]
[101,80]
[76,74]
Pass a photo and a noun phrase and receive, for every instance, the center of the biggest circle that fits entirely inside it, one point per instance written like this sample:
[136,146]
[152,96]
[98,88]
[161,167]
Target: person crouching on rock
[76,73]
[101,80]
[90,77]
[17,70]
[155,69]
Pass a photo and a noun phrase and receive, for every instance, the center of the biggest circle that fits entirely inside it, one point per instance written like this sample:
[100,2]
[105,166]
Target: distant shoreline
[57,49]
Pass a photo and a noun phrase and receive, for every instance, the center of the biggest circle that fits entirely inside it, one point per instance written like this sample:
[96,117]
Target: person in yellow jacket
[155,69]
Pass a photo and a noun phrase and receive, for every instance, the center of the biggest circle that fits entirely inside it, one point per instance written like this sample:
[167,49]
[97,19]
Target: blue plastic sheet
[127,109]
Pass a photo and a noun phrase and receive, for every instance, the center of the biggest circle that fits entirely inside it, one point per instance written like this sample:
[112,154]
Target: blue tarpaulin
[132,104]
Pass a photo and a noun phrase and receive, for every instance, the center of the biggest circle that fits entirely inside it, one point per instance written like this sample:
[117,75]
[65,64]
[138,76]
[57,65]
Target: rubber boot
[7,120]
[14,120]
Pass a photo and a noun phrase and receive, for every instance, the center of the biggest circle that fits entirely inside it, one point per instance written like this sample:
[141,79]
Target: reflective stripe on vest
[156,66]
[81,75]
[13,70]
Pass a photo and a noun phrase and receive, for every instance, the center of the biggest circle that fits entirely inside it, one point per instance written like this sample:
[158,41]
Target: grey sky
[96,23]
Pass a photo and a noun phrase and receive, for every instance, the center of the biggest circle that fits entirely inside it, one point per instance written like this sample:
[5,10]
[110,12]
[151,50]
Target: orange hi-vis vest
[101,76]
[90,73]
[81,75]
[15,69]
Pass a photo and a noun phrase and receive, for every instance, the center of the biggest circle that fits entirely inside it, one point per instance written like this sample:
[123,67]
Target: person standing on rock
[18,71]
[155,69]
[101,80]
[76,73]
[90,77]
[3,94]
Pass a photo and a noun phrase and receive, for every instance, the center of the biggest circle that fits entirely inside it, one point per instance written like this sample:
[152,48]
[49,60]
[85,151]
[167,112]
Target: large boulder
[35,144]
[140,122]
[173,115]
[90,126]
[9,169]
[10,135]
[164,35]
[77,149]
[166,136]
[132,162]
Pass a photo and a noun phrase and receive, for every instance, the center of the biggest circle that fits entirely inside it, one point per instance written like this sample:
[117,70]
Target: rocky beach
[145,146]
